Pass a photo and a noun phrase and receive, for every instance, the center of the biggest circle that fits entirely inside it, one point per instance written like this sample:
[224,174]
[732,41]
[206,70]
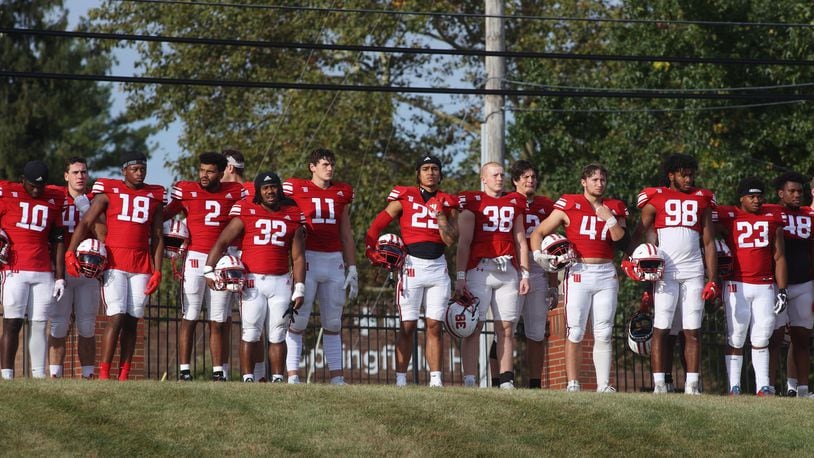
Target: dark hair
[521,166]
[211,158]
[237,156]
[794,177]
[590,169]
[321,153]
[750,185]
[73,160]
[676,163]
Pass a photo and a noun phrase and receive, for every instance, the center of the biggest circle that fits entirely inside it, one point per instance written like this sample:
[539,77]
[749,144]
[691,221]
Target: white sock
[332,344]
[87,371]
[760,362]
[435,375]
[7,374]
[294,344]
[183,367]
[259,370]
[55,370]
[401,378]
[792,383]
[226,369]
[469,380]
[658,377]
[217,368]
[733,369]
[38,348]
[248,377]
[602,362]
[692,377]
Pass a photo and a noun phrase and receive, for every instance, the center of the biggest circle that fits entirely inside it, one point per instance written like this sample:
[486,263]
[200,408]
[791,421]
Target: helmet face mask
[648,263]
[640,333]
[5,247]
[560,250]
[92,257]
[176,239]
[462,315]
[231,274]
[392,250]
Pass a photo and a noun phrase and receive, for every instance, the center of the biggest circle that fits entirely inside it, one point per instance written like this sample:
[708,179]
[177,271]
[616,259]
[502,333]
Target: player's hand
[82,203]
[291,312]
[211,278]
[503,262]
[647,302]
[711,291]
[552,297]
[629,269]
[152,285]
[71,263]
[352,283]
[59,289]
[374,256]
[298,295]
[604,213]
[434,207]
[781,302]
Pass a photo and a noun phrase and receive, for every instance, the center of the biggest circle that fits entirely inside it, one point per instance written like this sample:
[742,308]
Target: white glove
[552,297]
[299,291]
[352,282]
[59,289]
[209,274]
[502,262]
[782,300]
[546,261]
[82,204]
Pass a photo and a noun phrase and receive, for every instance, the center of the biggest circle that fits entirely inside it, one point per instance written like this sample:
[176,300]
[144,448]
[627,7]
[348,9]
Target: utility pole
[493,134]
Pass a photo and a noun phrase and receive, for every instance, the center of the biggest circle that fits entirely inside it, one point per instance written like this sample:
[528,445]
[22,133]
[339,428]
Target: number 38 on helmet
[462,315]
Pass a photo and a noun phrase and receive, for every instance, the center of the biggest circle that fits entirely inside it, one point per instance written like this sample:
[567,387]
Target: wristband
[524,273]
[611,222]
[299,289]
[461,275]
[208,270]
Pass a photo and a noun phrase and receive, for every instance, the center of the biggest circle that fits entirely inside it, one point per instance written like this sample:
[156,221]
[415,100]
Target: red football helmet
[462,315]
[725,260]
[645,264]
[391,249]
[92,257]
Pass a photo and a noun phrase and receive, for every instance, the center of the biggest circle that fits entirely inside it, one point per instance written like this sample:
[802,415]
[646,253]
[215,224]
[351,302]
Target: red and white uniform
[749,295]
[129,217]
[590,289]
[798,238]
[81,294]
[678,222]
[28,278]
[268,236]
[325,269]
[422,279]
[493,237]
[533,304]
[207,214]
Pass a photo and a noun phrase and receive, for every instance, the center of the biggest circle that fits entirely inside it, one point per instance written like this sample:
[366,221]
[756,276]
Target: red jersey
[494,220]
[538,209]
[751,238]
[129,223]
[587,232]
[207,212]
[267,235]
[28,222]
[323,210]
[417,221]
[70,213]
[676,208]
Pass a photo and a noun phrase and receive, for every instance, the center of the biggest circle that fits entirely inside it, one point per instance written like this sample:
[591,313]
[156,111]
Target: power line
[480,15]
[653,110]
[397,89]
[677,91]
[402,50]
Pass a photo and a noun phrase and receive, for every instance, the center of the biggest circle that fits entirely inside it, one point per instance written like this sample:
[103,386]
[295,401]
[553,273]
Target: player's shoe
[692,388]
[765,392]
[185,376]
[338,380]
[277,380]
[660,388]
[294,380]
[573,387]
[248,380]
[218,376]
[606,389]
[89,377]
[436,384]
[507,385]
[735,390]
[791,393]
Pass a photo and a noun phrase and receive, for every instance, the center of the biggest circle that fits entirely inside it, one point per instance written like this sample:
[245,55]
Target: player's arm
[58,242]
[547,226]
[448,226]
[346,235]
[781,274]
[380,223]
[298,261]
[172,209]
[522,249]
[641,233]
[85,225]
[466,228]
[157,237]
[229,233]
[615,224]
[710,254]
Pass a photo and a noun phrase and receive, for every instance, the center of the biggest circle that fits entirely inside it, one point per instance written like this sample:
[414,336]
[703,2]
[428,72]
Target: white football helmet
[558,253]
[5,246]
[176,239]
[647,263]
[231,274]
[392,251]
[640,333]
[725,260]
[92,257]
[462,315]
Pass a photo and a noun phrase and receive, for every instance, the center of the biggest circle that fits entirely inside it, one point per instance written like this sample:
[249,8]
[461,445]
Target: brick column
[554,371]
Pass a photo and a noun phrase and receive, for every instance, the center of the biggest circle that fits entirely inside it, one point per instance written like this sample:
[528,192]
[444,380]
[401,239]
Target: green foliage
[53,119]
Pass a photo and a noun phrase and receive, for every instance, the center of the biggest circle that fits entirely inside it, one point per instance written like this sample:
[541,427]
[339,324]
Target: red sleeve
[379,224]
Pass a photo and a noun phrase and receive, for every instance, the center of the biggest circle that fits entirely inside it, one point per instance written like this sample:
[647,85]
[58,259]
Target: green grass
[154,418]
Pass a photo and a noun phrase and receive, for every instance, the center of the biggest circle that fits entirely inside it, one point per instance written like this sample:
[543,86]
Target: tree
[53,119]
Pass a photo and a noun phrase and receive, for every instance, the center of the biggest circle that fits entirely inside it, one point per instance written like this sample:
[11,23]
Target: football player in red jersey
[682,217]
[135,246]
[798,314]
[329,250]
[206,204]
[273,229]
[427,217]
[543,293]
[756,290]
[81,294]
[593,224]
[30,214]
[491,249]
